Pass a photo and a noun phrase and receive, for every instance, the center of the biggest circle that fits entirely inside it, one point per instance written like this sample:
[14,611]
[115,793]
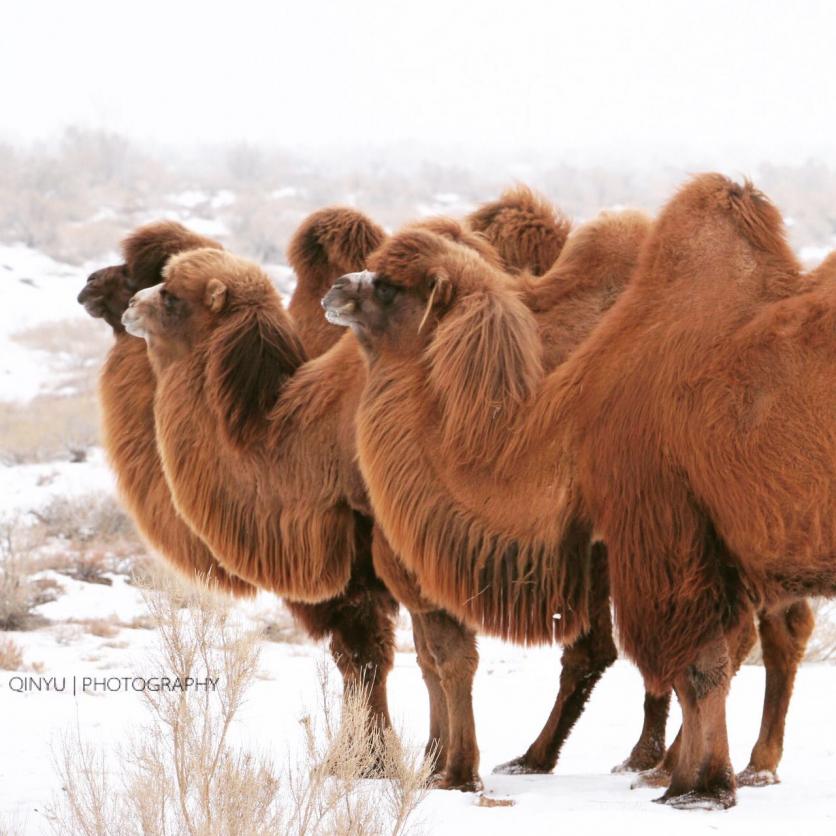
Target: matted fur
[126,394]
[269,512]
[508,580]
[526,230]
[330,242]
[718,486]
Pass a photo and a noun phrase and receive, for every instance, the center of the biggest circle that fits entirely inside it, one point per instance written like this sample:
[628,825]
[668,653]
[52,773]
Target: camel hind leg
[784,633]
[582,665]
[650,747]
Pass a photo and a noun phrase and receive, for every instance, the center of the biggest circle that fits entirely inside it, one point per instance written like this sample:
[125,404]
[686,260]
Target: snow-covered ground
[513,693]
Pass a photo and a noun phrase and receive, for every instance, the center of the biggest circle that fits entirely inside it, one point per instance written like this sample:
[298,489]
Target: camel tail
[525,228]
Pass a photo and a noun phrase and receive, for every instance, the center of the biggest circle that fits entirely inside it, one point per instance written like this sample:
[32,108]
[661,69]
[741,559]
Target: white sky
[636,80]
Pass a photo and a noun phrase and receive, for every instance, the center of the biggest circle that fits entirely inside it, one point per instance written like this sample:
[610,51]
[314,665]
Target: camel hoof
[521,766]
[657,778]
[751,777]
[443,781]
[721,799]
[637,763]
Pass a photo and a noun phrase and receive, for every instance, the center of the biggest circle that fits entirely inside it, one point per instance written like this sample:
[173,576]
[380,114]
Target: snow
[28,487]
[513,692]
[36,289]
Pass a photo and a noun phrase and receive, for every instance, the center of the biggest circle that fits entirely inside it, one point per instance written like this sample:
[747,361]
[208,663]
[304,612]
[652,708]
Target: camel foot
[638,762]
[462,783]
[751,777]
[657,777]
[523,765]
[719,799]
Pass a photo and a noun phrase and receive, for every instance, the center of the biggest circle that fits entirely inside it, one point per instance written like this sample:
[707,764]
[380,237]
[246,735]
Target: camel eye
[169,299]
[385,292]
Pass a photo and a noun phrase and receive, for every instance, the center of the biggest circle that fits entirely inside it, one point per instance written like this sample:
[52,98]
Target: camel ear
[215,296]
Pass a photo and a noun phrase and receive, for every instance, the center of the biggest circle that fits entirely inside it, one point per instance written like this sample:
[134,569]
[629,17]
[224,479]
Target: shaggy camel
[337,238]
[359,621]
[313,401]
[499,533]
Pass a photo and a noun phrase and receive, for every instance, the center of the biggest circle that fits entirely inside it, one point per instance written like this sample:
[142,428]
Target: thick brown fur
[526,230]
[126,392]
[329,242]
[674,449]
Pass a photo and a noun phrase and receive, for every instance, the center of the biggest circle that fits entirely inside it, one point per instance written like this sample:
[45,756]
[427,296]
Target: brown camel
[358,621]
[313,400]
[326,235]
[514,561]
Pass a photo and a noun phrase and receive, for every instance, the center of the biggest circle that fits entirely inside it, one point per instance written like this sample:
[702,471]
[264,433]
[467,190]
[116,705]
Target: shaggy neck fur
[273,507]
[126,393]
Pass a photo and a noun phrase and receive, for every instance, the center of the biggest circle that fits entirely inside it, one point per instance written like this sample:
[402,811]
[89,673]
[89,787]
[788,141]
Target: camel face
[107,293]
[378,311]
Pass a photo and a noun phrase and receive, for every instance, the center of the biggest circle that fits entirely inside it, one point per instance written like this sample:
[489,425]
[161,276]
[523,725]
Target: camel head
[146,251]
[411,281]
[200,290]
[107,293]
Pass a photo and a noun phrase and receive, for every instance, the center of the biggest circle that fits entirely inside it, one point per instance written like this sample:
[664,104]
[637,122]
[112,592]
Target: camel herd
[508,426]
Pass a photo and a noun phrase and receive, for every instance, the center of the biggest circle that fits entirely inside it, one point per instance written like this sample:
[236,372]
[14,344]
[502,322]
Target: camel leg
[582,665]
[739,640]
[453,648]
[363,648]
[650,747]
[784,634]
[702,776]
[438,742]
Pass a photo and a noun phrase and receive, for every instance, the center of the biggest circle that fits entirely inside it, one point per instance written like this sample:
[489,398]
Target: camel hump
[609,244]
[726,235]
[527,230]
[330,242]
[713,196]
[825,272]
[459,233]
[147,249]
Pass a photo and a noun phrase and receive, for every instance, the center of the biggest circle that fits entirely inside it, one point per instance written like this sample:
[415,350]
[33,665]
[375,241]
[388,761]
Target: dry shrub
[102,628]
[17,593]
[180,773]
[11,656]
[48,428]
[822,644]
[86,518]
[325,786]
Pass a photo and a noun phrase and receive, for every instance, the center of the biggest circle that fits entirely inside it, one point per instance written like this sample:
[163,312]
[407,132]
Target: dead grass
[181,774]
[11,656]
[48,428]
[18,595]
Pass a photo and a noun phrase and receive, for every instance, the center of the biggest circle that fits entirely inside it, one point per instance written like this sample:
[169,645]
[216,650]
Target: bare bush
[85,519]
[11,656]
[48,428]
[181,774]
[17,594]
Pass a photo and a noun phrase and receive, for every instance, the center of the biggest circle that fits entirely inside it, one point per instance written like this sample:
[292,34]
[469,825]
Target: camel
[359,621]
[501,533]
[313,400]
[444,645]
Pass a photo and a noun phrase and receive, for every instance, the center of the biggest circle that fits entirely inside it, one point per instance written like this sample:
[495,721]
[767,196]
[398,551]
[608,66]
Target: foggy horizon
[728,85]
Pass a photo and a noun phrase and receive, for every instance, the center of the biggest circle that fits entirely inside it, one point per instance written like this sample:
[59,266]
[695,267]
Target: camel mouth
[132,323]
[341,315]
[340,303]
